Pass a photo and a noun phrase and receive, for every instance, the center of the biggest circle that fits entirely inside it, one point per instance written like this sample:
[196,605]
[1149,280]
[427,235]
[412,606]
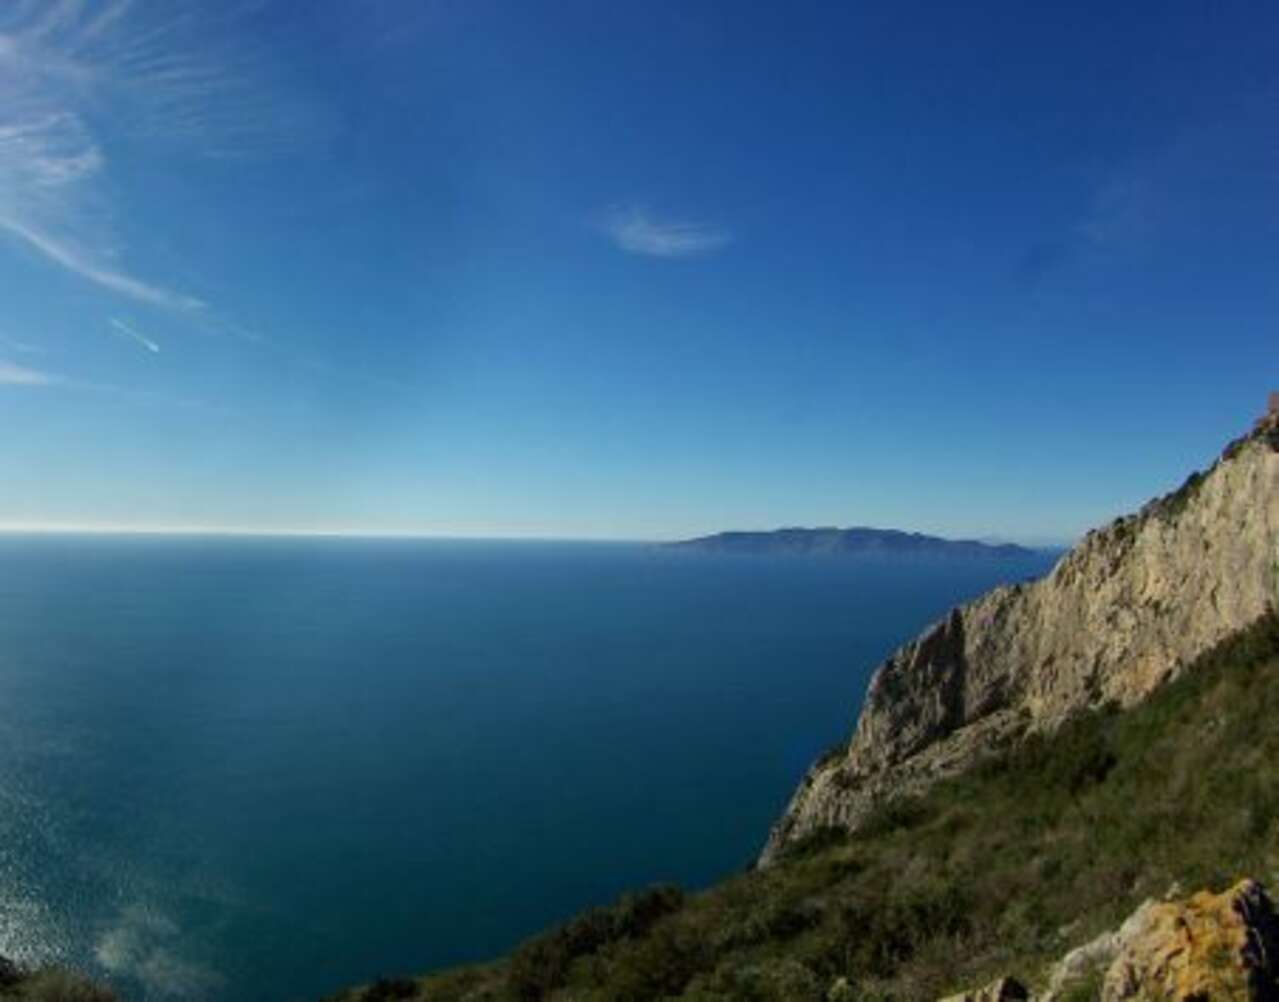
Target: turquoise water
[252,769]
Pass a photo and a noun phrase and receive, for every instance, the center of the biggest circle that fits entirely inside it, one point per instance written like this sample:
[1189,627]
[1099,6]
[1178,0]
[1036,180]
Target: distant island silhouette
[858,539]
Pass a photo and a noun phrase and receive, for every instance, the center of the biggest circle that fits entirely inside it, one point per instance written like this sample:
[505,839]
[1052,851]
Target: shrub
[541,964]
[9,973]
[55,985]
[389,989]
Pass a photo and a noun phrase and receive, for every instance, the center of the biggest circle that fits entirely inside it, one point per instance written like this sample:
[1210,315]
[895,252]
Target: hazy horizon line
[44,529]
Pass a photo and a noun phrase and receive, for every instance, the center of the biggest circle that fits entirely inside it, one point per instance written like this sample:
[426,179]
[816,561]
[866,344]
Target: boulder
[1205,948]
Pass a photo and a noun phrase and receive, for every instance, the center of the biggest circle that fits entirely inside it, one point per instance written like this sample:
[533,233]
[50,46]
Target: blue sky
[629,270]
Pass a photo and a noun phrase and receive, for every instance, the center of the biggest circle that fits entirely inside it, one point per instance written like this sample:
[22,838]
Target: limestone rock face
[1121,614]
[1208,947]
[1083,962]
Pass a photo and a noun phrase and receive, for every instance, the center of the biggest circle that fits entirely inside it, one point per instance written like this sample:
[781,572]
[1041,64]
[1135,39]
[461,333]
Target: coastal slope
[1120,615]
[1056,869]
[1026,781]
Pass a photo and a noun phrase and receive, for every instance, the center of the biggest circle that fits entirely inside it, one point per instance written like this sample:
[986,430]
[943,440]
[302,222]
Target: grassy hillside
[50,985]
[996,872]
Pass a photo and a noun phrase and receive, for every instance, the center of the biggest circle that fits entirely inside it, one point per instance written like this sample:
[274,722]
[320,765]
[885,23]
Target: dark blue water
[252,769]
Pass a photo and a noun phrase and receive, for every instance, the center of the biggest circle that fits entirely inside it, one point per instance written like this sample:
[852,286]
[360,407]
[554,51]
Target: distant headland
[858,539]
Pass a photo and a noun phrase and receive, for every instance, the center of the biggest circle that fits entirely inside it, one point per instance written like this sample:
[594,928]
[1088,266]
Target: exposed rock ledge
[1120,614]
[1206,947]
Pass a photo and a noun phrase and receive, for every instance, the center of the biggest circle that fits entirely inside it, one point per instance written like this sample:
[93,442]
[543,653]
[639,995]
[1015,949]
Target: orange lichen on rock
[1207,947]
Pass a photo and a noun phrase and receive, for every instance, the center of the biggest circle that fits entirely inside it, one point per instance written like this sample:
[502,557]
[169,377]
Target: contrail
[129,332]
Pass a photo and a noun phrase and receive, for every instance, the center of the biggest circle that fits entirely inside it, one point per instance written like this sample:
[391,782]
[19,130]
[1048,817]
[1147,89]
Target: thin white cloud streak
[20,375]
[133,335]
[173,80]
[26,347]
[167,78]
[1206,178]
[70,258]
[51,164]
[636,232]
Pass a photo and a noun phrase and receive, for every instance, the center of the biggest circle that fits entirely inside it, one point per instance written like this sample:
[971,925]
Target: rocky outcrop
[1210,946]
[1206,947]
[1121,614]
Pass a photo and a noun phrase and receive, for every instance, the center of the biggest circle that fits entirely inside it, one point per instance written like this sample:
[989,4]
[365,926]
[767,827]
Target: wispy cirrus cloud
[1201,181]
[128,331]
[16,344]
[154,74]
[636,231]
[20,375]
[73,258]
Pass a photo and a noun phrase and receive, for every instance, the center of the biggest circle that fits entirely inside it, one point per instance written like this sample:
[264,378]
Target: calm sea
[261,769]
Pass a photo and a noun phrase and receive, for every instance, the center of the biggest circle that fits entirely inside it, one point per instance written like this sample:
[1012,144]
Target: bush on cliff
[49,985]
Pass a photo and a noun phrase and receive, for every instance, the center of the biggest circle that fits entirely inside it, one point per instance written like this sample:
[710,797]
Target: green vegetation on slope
[995,872]
[48,985]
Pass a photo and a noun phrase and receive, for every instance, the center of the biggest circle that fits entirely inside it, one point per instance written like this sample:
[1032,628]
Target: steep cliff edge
[1121,614]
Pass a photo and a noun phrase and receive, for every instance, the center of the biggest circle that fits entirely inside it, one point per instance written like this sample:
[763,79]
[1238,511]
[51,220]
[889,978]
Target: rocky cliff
[1122,613]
